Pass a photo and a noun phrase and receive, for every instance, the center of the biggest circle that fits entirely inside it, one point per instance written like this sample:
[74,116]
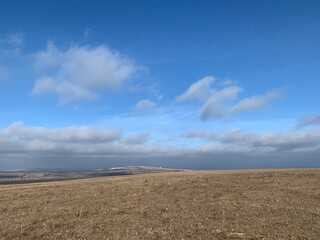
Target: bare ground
[255,204]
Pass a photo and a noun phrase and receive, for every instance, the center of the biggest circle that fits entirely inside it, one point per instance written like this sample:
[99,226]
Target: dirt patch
[264,204]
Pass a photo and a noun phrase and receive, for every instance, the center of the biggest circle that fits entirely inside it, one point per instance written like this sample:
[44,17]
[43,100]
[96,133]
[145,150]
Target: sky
[181,84]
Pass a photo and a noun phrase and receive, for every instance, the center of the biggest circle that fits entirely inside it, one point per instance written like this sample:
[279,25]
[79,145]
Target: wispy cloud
[144,105]
[308,120]
[221,98]
[198,91]
[11,44]
[81,72]
[216,106]
[87,33]
[254,102]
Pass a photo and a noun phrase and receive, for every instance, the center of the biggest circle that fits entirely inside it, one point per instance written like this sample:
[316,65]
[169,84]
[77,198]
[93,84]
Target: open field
[255,204]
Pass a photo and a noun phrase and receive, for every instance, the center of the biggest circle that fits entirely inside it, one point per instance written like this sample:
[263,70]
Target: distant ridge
[46,175]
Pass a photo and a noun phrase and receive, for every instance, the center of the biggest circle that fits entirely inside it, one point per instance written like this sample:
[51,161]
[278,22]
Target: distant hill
[46,175]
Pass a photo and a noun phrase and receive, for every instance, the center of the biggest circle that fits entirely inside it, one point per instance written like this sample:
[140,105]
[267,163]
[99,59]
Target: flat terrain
[257,204]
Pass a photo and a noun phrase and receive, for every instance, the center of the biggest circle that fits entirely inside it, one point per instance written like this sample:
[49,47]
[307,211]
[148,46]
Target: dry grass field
[257,204]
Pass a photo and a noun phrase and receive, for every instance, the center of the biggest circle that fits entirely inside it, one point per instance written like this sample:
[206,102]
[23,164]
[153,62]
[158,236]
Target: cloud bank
[264,142]
[140,138]
[21,145]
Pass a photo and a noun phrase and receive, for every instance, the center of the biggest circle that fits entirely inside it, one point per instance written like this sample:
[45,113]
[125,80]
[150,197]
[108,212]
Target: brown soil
[256,204]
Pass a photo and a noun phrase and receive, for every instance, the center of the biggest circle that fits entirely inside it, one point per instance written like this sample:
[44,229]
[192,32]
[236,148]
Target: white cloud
[19,131]
[219,98]
[216,105]
[67,91]
[198,91]
[144,105]
[308,120]
[81,72]
[254,102]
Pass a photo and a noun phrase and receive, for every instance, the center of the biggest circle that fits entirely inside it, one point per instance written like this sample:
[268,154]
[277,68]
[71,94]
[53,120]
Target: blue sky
[188,84]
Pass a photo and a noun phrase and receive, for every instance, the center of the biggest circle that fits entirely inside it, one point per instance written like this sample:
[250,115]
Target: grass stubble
[252,204]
